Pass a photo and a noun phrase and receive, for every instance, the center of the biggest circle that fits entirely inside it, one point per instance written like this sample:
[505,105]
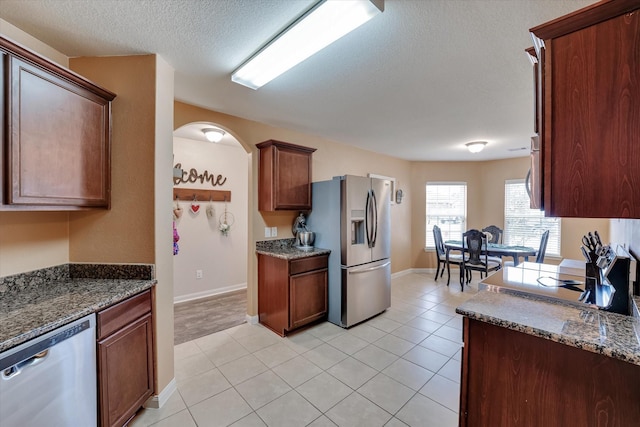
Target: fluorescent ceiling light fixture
[476,146]
[213,134]
[324,23]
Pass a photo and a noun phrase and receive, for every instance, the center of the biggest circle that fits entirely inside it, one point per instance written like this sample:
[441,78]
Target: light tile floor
[401,368]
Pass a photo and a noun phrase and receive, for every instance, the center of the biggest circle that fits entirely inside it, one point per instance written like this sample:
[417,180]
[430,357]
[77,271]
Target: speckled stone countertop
[610,334]
[34,303]
[284,249]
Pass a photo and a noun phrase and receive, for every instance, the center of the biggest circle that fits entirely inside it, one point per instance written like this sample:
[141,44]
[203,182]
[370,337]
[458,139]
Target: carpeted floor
[195,319]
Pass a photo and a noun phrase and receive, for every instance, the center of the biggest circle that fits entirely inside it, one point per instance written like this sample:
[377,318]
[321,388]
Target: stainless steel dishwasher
[51,380]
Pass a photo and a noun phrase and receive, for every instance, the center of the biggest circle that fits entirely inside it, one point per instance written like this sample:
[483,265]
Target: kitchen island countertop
[597,331]
[285,249]
[35,303]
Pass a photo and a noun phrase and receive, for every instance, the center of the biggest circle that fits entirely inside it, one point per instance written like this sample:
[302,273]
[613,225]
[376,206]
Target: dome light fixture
[476,146]
[213,134]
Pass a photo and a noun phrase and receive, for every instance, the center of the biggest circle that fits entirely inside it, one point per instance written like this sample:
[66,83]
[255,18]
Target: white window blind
[524,226]
[446,208]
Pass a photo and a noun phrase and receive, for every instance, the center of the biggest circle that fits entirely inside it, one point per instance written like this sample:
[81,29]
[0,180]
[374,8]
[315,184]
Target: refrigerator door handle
[365,270]
[374,230]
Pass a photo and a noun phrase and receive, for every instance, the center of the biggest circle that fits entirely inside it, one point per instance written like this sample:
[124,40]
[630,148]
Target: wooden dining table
[493,249]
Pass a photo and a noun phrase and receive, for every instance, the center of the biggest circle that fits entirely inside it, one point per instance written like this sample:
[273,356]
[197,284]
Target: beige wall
[125,233]
[485,203]
[421,173]
[330,159]
[32,240]
[137,228]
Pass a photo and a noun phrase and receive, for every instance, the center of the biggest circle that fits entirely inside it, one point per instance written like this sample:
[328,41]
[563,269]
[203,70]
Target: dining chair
[496,233]
[473,242]
[543,247]
[541,251]
[442,255]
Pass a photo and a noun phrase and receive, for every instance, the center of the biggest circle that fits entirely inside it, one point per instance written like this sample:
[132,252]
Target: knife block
[593,276]
[617,274]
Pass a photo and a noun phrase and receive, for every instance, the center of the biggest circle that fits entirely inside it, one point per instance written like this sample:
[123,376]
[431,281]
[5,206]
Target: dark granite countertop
[34,303]
[589,329]
[285,249]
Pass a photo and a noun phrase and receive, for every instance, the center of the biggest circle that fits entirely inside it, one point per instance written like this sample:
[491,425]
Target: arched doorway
[210,262]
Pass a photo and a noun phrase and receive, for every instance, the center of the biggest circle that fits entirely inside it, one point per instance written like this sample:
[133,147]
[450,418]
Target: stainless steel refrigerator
[351,216]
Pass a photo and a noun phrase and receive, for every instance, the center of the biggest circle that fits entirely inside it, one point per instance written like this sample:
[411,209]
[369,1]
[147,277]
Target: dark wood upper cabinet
[590,121]
[284,176]
[56,136]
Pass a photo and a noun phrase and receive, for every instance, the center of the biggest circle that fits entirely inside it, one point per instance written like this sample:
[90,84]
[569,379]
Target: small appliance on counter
[304,238]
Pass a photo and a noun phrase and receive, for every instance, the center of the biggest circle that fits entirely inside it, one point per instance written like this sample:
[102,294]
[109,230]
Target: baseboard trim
[209,293]
[412,271]
[252,320]
[401,273]
[157,401]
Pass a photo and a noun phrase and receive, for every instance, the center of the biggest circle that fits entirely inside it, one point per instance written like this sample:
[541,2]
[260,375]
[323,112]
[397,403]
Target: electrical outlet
[267,232]
[274,231]
[198,274]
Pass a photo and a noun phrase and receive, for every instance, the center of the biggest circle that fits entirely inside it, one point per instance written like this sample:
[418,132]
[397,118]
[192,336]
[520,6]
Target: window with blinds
[446,208]
[524,226]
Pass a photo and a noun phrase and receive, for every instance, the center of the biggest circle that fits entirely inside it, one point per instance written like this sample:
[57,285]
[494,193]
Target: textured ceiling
[416,82]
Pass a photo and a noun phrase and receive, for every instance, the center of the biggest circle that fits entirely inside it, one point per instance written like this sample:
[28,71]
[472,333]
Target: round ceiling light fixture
[213,134]
[476,146]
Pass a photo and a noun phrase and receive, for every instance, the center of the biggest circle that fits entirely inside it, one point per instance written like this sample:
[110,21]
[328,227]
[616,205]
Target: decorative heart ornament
[177,212]
[195,208]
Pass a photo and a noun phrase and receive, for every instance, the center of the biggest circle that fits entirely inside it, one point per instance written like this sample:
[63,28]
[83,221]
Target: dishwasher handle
[34,360]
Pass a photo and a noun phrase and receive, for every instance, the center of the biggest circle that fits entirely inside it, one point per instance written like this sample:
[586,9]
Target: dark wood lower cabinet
[125,359]
[291,293]
[511,378]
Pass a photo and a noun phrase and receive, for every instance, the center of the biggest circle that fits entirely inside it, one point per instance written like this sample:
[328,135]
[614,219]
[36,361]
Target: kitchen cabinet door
[125,371]
[125,359]
[510,378]
[284,176]
[57,138]
[308,297]
[591,112]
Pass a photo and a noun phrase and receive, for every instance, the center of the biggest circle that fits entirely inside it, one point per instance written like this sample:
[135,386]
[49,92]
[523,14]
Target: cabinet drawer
[123,313]
[303,265]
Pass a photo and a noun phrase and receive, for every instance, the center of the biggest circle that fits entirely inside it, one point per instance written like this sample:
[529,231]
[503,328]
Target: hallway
[204,316]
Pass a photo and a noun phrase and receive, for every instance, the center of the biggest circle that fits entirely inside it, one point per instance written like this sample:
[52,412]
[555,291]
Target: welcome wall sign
[193,176]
